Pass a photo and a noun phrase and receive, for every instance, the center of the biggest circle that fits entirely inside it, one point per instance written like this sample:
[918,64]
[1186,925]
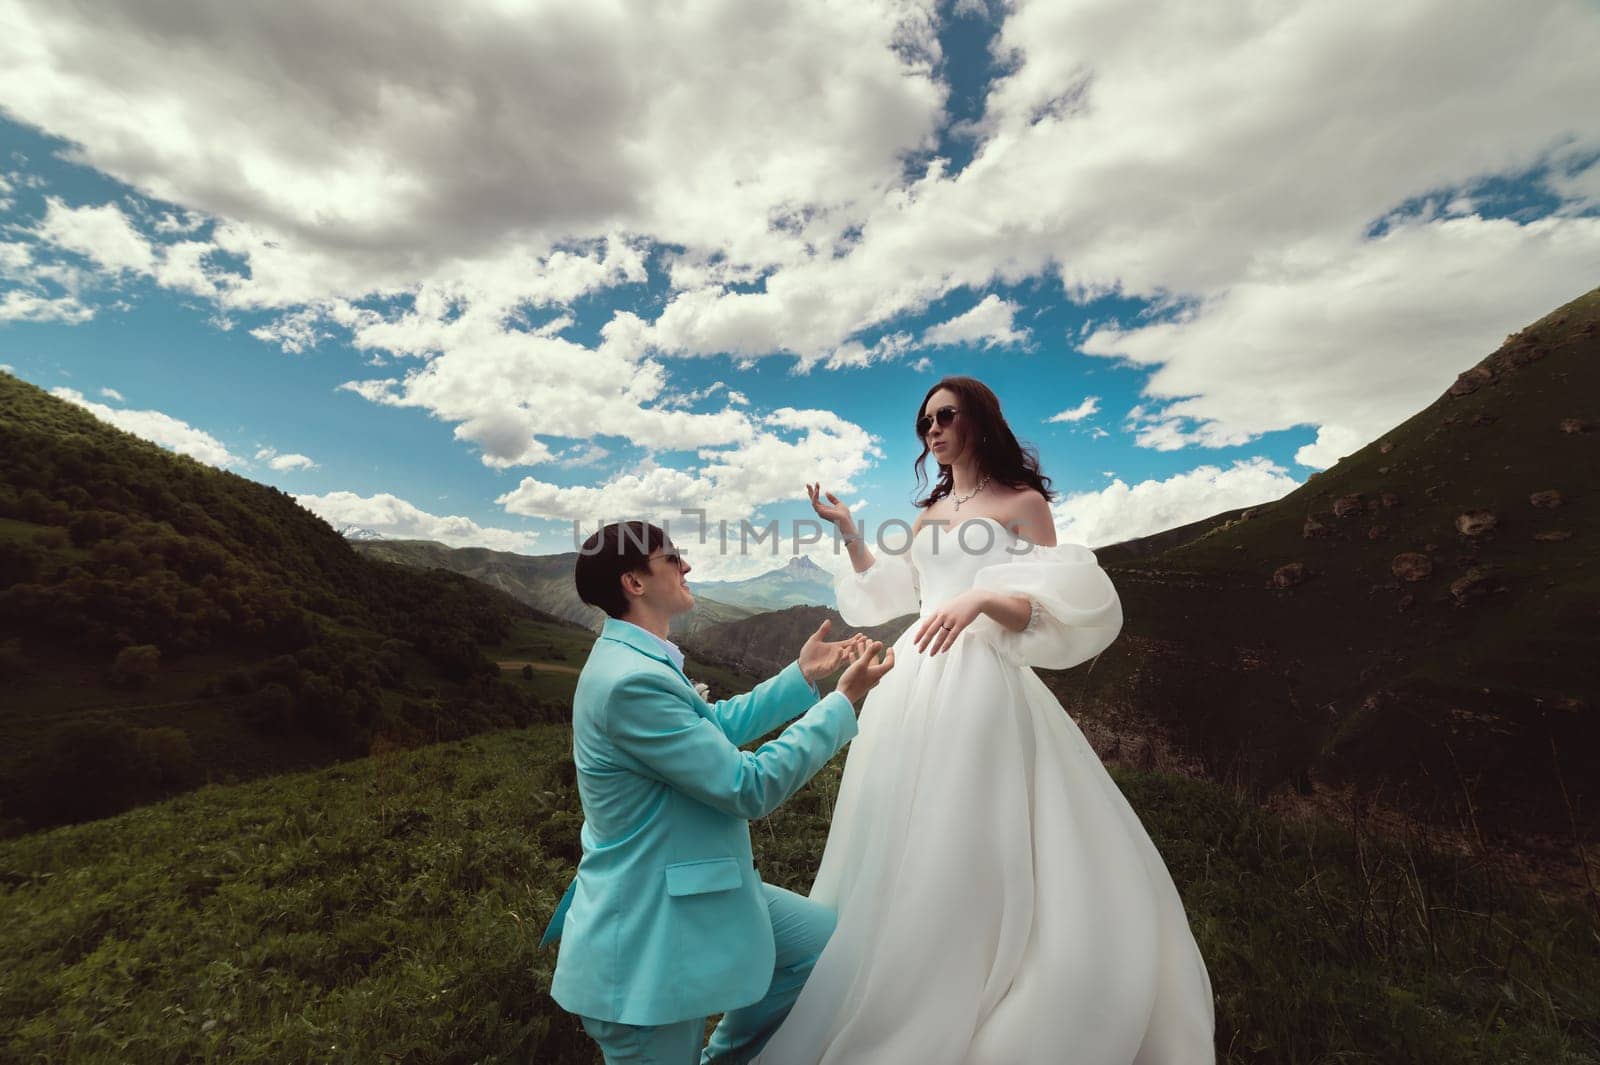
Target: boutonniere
[703,688]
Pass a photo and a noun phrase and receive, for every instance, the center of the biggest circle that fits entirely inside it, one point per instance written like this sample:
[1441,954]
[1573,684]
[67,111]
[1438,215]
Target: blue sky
[559,271]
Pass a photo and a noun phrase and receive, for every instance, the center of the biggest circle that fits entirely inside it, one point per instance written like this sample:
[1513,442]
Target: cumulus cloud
[292,462]
[503,387]
[989,324]
[1229,169]
[1090,405]
[1120,512]
[20,306]
[159,428]
[1356,338]
[101,234]
[791,448]
[14,257]
[1169,154]
[279,462]
[396,519]
[333,139]
[690,398]
[583,455]
[853,353]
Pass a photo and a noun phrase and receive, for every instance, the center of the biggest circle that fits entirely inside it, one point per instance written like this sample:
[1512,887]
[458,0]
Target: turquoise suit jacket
[666,920]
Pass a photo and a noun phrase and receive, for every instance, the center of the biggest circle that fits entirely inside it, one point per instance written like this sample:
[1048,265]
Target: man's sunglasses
[946,415]
[674,558]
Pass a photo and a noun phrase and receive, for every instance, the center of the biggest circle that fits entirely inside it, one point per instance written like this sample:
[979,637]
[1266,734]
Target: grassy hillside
[387,909]
[1420,618]
[163,623]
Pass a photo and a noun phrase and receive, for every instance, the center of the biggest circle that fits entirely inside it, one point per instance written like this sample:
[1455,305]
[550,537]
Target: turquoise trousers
[800,929]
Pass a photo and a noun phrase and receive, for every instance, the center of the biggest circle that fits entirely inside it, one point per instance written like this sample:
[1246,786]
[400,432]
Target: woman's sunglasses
[946,415]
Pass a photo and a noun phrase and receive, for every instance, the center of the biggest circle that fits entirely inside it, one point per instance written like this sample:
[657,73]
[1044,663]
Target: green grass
[387,910]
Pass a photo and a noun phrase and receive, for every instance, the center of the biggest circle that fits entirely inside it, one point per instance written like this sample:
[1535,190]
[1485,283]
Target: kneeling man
[667,921]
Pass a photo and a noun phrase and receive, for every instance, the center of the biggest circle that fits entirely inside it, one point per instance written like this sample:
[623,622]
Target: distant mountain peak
[801,565]
[356,532]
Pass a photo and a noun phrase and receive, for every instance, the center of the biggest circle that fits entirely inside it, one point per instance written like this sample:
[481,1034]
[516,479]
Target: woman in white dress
[998,900]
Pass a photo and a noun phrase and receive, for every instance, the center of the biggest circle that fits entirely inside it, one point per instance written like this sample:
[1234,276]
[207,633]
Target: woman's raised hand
[831,511]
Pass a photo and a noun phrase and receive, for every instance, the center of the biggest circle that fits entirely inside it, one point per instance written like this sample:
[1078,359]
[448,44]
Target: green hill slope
[387,909]
[162,622]
[1420,618]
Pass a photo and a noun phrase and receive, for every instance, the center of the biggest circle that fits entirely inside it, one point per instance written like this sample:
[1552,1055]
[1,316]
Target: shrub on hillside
[93,769]
[135,666]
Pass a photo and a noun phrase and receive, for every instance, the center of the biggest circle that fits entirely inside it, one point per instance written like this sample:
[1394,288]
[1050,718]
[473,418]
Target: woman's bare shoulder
[1026,512]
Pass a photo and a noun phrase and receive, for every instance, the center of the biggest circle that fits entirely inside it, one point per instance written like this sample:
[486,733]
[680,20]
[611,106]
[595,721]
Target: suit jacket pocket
[703,875]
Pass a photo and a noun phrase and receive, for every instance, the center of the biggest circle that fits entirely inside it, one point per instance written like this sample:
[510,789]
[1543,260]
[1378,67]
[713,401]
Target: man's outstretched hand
[822,658]
[865,672]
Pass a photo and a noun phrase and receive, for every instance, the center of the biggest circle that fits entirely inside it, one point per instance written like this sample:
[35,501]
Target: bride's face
[948,443]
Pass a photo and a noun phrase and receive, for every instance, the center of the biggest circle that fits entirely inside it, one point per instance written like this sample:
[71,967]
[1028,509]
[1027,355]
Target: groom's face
[666,586]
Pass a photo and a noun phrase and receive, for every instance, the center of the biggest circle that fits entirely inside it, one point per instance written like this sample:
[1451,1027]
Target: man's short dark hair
[618,548]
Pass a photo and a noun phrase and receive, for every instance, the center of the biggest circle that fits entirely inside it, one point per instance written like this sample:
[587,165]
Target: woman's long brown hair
[1000,454]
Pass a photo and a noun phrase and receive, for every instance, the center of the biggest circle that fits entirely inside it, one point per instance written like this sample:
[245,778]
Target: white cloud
[159,428]
[1119,512]
[284,462]
[989,323]
[1579,186]
[295,333]
[183,268]
[1356,337]
[364,159]
[14,257]
[583,455]
[397,519]
[108,238]
[1090,405]
[689,399]
[502,387]
[1164,151]
[853,353]
[792,448]
[111,393]
[173,222]
[19,306]
[485,171]
[101,234]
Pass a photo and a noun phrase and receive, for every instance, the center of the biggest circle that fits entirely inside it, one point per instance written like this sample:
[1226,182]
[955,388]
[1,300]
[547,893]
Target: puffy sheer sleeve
[885,590]
[1076,610]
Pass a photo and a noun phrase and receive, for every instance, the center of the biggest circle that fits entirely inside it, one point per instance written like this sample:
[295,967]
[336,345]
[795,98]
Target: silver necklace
[972,493]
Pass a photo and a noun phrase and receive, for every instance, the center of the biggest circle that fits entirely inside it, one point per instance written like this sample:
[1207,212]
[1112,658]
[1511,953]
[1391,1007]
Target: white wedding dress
[999,901]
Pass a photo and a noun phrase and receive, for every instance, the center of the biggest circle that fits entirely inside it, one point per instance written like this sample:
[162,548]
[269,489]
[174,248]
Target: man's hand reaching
[822,658]
[865,672]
